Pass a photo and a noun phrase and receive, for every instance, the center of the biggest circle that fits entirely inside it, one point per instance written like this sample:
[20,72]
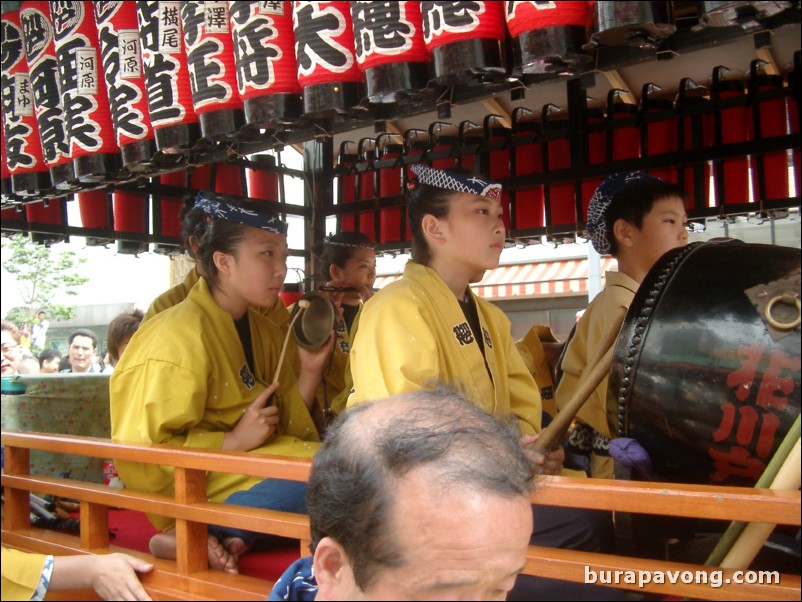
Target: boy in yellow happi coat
[199,375]
[636,218]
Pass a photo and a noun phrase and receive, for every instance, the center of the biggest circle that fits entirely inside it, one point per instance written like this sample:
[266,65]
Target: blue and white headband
[450,180]
[600,202]
[240,215]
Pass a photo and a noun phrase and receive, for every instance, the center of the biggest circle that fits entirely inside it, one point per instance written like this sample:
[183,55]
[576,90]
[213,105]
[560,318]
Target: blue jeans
[270,494]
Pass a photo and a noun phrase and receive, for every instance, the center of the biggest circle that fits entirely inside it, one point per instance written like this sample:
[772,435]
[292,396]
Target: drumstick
[302,305]
[598,367]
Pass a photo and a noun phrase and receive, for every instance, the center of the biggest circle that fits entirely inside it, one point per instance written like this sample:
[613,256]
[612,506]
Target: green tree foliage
[41,273]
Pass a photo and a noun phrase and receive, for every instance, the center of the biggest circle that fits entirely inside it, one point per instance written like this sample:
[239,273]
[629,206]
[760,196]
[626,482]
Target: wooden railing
[189,578]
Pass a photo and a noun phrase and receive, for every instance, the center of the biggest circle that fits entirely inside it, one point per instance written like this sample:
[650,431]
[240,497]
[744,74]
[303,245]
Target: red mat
[132,530]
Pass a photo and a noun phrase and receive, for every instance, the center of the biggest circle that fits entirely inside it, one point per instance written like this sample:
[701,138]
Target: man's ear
[623,232]
[432,228]
[335,579]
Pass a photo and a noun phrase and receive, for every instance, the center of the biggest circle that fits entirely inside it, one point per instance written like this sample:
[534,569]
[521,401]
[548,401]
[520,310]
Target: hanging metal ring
[790,298]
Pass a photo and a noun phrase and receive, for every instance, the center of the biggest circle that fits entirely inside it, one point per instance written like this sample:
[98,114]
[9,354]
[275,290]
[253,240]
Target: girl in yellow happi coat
[429,328]
[199,375]
[348,262]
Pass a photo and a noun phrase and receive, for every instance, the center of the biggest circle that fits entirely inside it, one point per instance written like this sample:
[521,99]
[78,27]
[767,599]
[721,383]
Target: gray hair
[373,445]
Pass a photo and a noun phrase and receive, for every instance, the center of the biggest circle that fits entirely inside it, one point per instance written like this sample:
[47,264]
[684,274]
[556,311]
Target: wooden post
[94,526]
[191,537]
[17,502]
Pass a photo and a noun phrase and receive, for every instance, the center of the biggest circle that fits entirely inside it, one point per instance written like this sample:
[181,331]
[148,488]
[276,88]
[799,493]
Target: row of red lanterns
[88,86]
[692,120]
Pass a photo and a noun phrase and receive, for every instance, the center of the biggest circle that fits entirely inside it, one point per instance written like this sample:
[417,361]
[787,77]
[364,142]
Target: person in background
[49,361]
[201,374]
[28,363]
[25,336]
[121,329]
[430,327]
[541,350]
[12,350]
[106,367]
[82,352]
[419,497]
[29,576]
[348,260]
[39,331]
[636,218]
[64,364]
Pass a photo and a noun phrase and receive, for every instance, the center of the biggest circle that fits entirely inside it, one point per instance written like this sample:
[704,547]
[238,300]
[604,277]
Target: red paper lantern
[212,74]
[164,62]
[346,182]
[732,124]
[290,293]
[498,160]
[118,34]
[390,149]
[94,208]
[793,124]
[263,184]
[366,187]
[130,216]
[170,210]
[264,52]
[466,40]
[443,142]
[23,149]
[595,154]
[549,37]
[658,130]
[527,159]
[770,169]
[390,49]
[229,179]
[695,133]
[560,197]
[93,147]
[327,66]
[40,50]
[471,137]
[623,134]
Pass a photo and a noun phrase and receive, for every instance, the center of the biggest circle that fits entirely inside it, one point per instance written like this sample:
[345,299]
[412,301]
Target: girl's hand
[315,361]
[258,422]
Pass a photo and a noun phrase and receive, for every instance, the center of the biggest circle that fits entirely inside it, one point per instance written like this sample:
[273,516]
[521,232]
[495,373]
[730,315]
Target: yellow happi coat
[183,380]
[618,292]
[413,335]
[277,312]
[21,573]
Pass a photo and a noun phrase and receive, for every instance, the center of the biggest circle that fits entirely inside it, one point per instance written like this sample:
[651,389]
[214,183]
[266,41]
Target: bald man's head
[353,488]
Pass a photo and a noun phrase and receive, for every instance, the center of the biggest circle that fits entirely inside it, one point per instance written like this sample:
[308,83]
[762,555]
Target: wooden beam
[765,55]
[616,80]
[495,108]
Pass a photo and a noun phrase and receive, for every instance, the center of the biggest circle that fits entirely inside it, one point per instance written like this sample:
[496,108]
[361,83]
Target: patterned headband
[600,203]
[450,180]
[240,215]
[350,245]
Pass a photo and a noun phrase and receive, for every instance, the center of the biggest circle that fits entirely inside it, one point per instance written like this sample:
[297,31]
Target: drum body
[701,377]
